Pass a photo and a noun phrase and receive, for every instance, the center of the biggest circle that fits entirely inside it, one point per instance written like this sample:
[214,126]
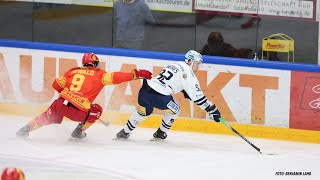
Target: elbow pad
[56,86]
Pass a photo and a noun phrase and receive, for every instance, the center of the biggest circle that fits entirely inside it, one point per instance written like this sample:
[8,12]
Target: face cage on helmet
[96,64]
[95,60]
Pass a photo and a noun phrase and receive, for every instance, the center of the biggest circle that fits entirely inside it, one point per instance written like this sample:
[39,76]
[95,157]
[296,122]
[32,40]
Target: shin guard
[167,121]
[133,122]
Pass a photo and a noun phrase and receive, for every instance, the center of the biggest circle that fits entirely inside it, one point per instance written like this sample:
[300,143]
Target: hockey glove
[140,74]
[213,112]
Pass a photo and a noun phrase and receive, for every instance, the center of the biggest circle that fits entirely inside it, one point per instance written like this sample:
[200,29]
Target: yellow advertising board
[278,42]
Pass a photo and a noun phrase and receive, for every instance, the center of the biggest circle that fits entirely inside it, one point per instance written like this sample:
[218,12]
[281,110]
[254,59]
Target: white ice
[47,154]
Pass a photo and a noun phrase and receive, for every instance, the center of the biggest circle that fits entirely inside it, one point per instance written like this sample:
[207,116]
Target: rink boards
[259,99]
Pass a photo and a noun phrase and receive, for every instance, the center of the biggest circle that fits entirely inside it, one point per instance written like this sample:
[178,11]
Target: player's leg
[88,118]
[135,119]
[172,110]
[51,116]
[144,109]
[167,122]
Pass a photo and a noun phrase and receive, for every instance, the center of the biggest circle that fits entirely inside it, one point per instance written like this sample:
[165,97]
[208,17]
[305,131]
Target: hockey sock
[133,122]
[85,126]
[167,121]
[44,119]
[35,124]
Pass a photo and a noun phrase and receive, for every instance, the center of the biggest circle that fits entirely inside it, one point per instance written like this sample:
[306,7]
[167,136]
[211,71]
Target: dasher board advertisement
[245,95]
[305,101]
[260,98]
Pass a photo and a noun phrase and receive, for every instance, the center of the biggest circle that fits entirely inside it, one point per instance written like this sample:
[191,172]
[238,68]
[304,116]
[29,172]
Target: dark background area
[174,32]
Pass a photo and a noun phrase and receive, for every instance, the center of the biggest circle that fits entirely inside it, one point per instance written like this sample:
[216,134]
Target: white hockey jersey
[179,77]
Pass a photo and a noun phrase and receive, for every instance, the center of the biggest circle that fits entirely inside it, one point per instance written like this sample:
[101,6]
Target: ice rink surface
[47,154]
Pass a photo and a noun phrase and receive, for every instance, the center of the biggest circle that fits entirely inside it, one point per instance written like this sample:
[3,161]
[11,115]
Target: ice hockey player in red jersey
[78,88]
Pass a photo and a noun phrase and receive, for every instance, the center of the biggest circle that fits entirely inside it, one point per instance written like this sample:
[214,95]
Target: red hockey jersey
[81,85]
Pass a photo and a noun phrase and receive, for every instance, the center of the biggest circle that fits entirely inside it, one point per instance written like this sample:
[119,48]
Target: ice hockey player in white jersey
[157,93]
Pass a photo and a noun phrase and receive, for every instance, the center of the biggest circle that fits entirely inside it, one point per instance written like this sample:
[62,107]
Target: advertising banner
[170,5]
[305,101]
[53,1]
[279,8]
[284,8]
[244,95]
[107,3]
[157,5]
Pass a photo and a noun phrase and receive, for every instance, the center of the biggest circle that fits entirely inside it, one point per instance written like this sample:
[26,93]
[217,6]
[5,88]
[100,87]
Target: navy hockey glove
[213,112]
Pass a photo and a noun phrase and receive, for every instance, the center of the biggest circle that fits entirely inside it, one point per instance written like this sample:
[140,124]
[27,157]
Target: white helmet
[193,56]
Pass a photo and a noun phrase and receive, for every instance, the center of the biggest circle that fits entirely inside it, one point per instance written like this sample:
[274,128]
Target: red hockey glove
[139,74]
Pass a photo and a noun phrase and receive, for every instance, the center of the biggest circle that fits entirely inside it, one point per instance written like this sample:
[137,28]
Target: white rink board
[239,99]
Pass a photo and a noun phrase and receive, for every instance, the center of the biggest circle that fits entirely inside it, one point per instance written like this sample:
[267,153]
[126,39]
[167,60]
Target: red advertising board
[305,101]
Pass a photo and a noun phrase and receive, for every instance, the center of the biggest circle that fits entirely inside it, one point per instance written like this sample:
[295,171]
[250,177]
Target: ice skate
[122,135]
[158,135]
[23,132]
[78,134]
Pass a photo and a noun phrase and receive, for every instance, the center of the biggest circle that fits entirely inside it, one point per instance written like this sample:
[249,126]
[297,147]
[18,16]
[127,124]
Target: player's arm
[119,77]
[59,83]
[193,91]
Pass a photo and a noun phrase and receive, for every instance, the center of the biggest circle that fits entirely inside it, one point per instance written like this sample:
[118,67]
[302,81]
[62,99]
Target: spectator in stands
[217,47]
[130,19]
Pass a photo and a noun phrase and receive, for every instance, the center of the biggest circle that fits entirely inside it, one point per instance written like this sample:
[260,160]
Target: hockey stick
[235,131]
[104,123]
